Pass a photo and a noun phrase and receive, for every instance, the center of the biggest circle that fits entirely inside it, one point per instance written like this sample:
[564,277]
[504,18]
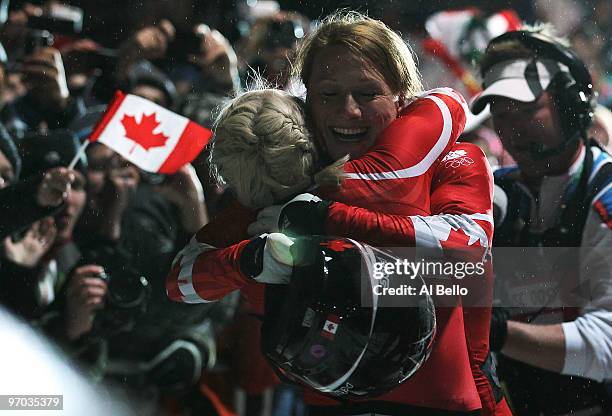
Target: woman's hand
[115,196]
[185,190]
[44,77]
[28,251]
[217,57]
[268,259]
[85,295]
[152,41]
[53,189]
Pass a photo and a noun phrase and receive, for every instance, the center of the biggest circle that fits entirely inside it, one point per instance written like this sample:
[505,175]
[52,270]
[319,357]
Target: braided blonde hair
[263,150]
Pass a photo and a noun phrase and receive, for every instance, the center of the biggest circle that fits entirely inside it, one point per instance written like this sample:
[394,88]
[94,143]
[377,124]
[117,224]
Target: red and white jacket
[414,187]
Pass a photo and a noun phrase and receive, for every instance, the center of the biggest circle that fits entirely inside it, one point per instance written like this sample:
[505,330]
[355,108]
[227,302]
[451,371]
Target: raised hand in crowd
[84,296]
[119,184]
[44,77]
[152,41]
[149,43]
[185,190]
[15,29]
[37,241]
[217,58]
[121,181]
[53,188]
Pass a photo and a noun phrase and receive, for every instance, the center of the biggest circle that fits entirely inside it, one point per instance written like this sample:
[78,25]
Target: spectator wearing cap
[559,337]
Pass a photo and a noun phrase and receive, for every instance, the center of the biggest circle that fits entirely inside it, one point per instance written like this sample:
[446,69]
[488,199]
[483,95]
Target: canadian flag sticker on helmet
[331,326]
[337,245]
[319,332]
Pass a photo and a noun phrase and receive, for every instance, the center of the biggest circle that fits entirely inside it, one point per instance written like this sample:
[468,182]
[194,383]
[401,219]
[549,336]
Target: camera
[57,19]
[126,301]
[36,39]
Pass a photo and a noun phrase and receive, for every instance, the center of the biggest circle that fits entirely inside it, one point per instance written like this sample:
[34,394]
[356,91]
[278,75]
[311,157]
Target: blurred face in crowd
[69,215]
[12,88]
[269,48]
[102,161]
[526,127]
[98,158]
[7,174]
[150,93]
[349,102]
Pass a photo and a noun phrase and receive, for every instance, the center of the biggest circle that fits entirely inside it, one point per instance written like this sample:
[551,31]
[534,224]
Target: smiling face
[348,101]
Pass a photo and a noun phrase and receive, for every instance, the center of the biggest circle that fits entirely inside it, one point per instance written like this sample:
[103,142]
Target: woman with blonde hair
[264,151]
[362,100]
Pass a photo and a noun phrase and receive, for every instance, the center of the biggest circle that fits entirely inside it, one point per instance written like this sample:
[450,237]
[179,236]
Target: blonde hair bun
[263,150]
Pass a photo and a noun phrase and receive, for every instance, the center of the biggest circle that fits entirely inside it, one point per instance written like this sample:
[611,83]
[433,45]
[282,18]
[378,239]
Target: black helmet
[318,332]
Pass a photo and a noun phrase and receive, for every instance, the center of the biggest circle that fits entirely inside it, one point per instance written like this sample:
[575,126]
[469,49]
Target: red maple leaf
[337,245]
[142,133]
[457,239]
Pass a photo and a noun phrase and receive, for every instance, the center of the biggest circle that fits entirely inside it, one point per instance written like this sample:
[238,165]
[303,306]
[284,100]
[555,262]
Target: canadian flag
[331,326]
[153,138]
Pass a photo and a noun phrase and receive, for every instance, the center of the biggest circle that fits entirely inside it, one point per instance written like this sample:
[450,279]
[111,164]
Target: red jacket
[407,190]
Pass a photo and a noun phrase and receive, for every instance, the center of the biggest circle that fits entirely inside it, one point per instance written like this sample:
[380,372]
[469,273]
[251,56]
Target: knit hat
[145,73]
[40,153]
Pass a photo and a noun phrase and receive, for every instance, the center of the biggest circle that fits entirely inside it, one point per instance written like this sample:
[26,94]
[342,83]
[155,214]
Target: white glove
[277,259]
[268,218]
[266,222]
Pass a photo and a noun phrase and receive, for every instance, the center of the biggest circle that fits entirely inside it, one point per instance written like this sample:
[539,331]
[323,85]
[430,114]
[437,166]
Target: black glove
[251,259]
[303,217]
[268,259]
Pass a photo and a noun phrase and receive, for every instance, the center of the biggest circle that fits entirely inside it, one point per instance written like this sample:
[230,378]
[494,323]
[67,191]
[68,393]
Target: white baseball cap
[518,79]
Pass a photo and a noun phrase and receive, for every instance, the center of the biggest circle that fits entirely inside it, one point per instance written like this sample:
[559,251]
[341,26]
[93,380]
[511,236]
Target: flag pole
[78,155]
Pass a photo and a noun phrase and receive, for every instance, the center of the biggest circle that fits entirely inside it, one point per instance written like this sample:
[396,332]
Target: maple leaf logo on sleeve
[142,133]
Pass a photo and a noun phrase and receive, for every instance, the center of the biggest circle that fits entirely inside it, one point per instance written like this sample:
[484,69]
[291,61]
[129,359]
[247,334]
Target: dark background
[109,21]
